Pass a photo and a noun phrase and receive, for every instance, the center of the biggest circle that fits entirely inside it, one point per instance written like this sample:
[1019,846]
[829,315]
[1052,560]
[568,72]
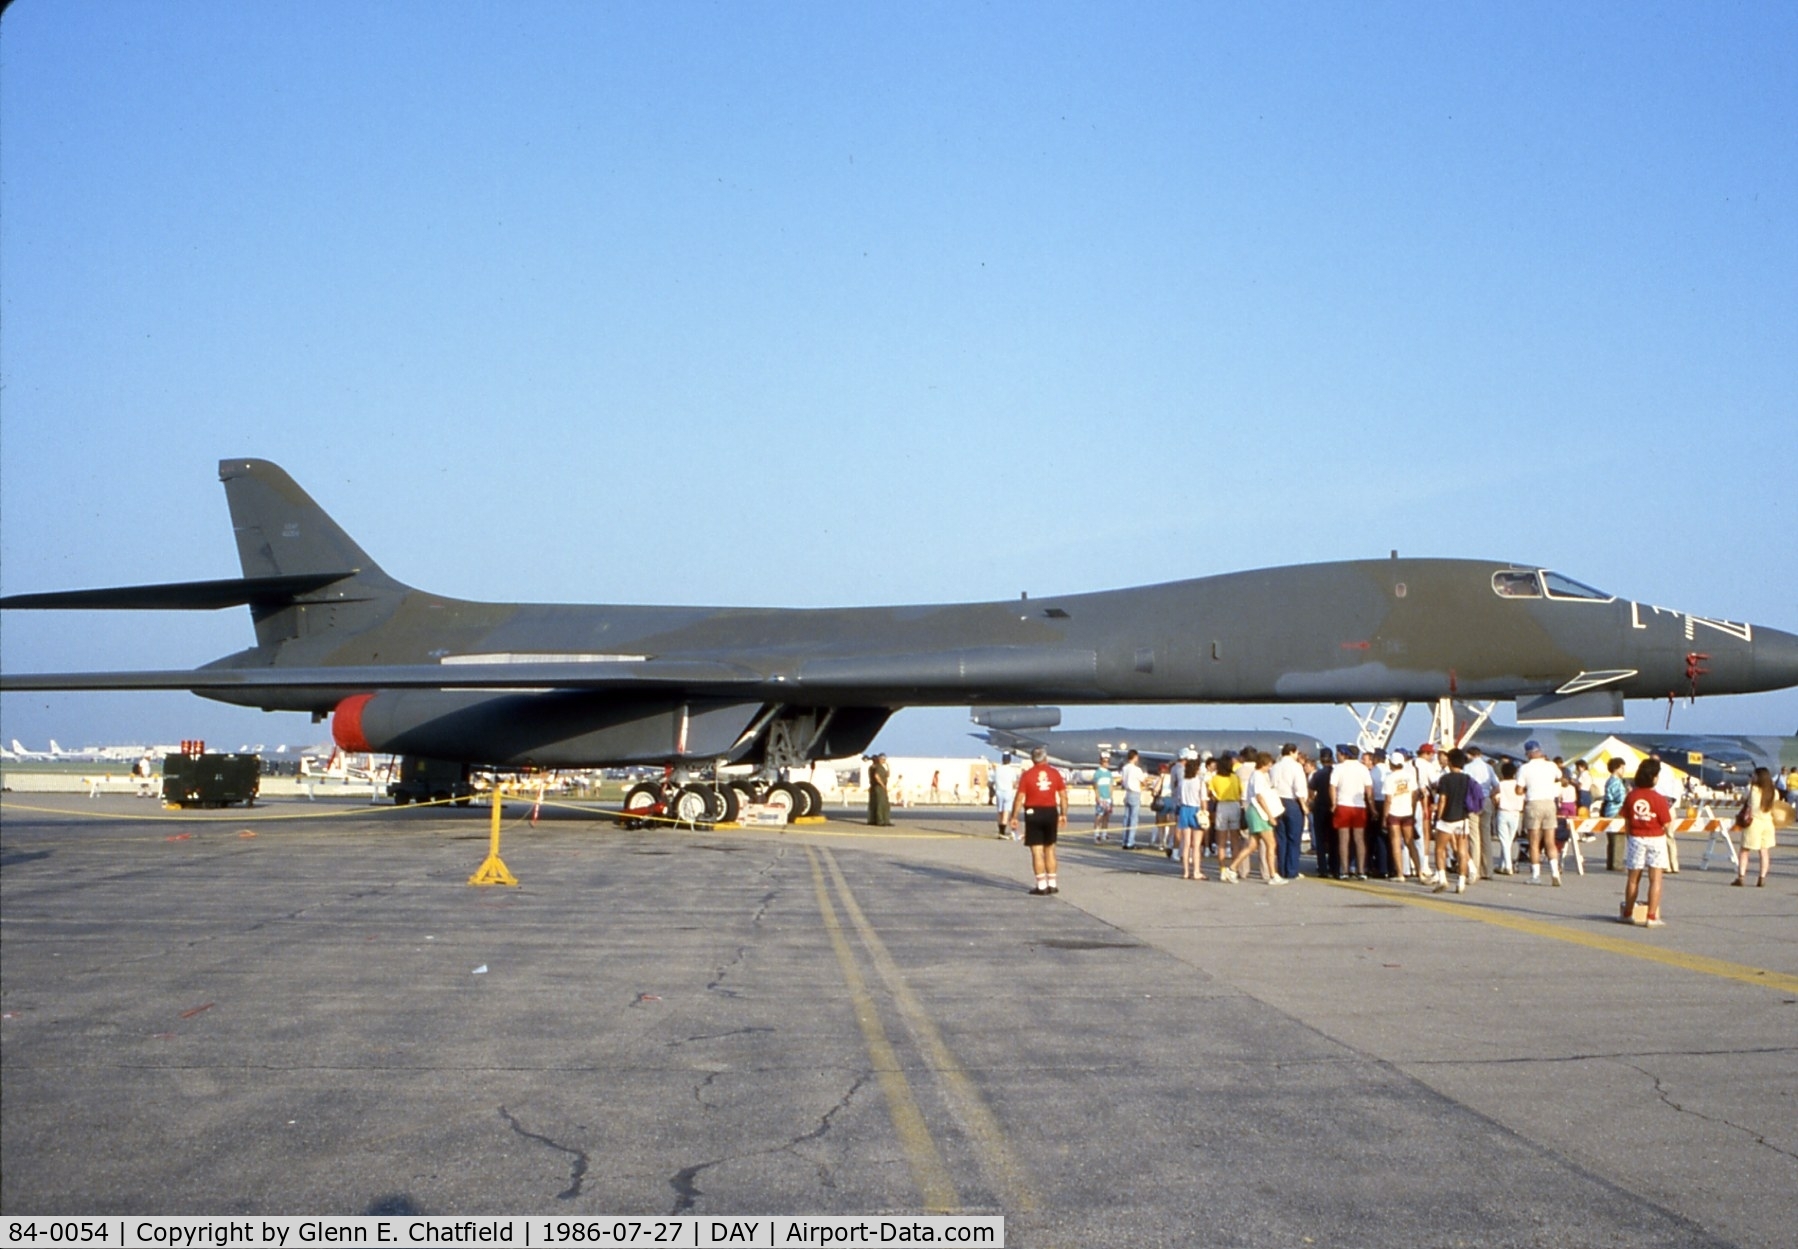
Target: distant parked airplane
[1011,729]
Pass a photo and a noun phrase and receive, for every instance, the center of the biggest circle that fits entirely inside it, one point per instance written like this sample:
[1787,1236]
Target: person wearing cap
[1042,804]
[1541,782]
[880,810]
[1404,796]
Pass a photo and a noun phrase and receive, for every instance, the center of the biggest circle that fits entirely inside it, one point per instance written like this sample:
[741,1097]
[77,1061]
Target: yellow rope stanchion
[493,870]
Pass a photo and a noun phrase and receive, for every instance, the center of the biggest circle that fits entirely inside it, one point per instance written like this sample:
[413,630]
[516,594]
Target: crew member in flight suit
[880,809]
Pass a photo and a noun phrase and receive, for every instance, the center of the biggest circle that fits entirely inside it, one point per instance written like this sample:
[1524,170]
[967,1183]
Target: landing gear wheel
[640,802]
[725,804]
[745,794]
[692,805]
[814,797]
[785,799]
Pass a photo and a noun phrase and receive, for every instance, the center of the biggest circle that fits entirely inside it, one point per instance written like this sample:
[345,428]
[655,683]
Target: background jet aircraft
[559,685]
[1727,760]
[1020,729]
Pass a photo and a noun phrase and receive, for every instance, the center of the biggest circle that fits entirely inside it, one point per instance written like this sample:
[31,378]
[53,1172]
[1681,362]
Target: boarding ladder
[1377,724]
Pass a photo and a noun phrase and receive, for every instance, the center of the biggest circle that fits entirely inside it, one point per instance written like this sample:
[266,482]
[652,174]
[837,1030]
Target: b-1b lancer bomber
[561,685]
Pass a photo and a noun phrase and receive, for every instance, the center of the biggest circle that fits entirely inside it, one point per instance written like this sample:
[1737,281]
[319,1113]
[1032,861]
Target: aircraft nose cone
[1775,659]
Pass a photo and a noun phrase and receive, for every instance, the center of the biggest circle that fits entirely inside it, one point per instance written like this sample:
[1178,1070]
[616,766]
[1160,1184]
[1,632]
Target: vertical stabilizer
[281,532]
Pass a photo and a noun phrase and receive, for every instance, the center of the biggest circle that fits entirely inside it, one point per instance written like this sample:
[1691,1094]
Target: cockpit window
[1515,583]
[1567,587]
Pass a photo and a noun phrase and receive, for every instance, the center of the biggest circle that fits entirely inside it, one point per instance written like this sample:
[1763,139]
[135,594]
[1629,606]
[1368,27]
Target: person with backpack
[1756,824]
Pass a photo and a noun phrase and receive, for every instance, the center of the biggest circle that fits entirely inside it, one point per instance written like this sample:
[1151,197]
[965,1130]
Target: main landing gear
[697,803]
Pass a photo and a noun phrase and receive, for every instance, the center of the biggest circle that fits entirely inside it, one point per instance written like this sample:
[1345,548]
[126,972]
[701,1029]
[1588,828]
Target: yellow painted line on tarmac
[1633,948]
[928,1170]
[1003,1171]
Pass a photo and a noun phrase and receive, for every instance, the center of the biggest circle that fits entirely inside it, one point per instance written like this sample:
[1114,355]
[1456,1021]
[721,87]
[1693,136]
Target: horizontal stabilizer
[182,595]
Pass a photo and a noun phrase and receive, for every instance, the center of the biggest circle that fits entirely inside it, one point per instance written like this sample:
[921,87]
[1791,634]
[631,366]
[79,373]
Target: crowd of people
[1444,819]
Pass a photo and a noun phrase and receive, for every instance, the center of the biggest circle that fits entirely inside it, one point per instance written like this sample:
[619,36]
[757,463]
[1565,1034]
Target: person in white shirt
[1480,770]
[1260,811]
[1351,793]
[1005,784]
[1671,785]
[1375,763]
[1132,778]
[1541,782]
[1510,814]
[1430,771]
[1404,798]
[1191,816]
[1288,779]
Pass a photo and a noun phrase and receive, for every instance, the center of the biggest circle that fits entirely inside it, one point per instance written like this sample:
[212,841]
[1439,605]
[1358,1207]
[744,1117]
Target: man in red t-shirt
[1042,801]
[1648,815]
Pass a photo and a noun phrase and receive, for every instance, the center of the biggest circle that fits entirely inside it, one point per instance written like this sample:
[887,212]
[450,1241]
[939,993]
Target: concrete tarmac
[305,1009]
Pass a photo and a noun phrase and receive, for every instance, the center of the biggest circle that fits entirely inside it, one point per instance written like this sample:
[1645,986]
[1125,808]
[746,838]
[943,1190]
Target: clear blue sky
[760,303]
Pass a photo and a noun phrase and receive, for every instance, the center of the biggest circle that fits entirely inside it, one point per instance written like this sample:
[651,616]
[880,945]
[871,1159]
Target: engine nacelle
[1016,719]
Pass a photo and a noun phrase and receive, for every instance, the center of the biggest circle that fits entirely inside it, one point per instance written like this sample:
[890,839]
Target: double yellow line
[1004,1176]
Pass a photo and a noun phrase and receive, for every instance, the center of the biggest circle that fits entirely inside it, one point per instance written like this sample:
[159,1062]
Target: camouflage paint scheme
[583,685]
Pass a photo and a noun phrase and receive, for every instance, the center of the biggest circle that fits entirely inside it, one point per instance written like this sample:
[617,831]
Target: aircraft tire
[725,804]
[783,797]
[692,805]
[814,797]
[641,800]
[745,794]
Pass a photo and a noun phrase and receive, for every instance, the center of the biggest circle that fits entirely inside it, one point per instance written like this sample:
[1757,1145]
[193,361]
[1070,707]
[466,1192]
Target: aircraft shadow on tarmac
[15,857]
[951,875]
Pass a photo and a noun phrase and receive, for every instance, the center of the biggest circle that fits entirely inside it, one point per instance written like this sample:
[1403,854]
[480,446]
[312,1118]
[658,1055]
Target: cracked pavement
[290,1024]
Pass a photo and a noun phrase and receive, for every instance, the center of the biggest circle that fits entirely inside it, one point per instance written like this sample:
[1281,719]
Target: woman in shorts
[1646,850]
[1260,813]
[1191,819]
[1226,788]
